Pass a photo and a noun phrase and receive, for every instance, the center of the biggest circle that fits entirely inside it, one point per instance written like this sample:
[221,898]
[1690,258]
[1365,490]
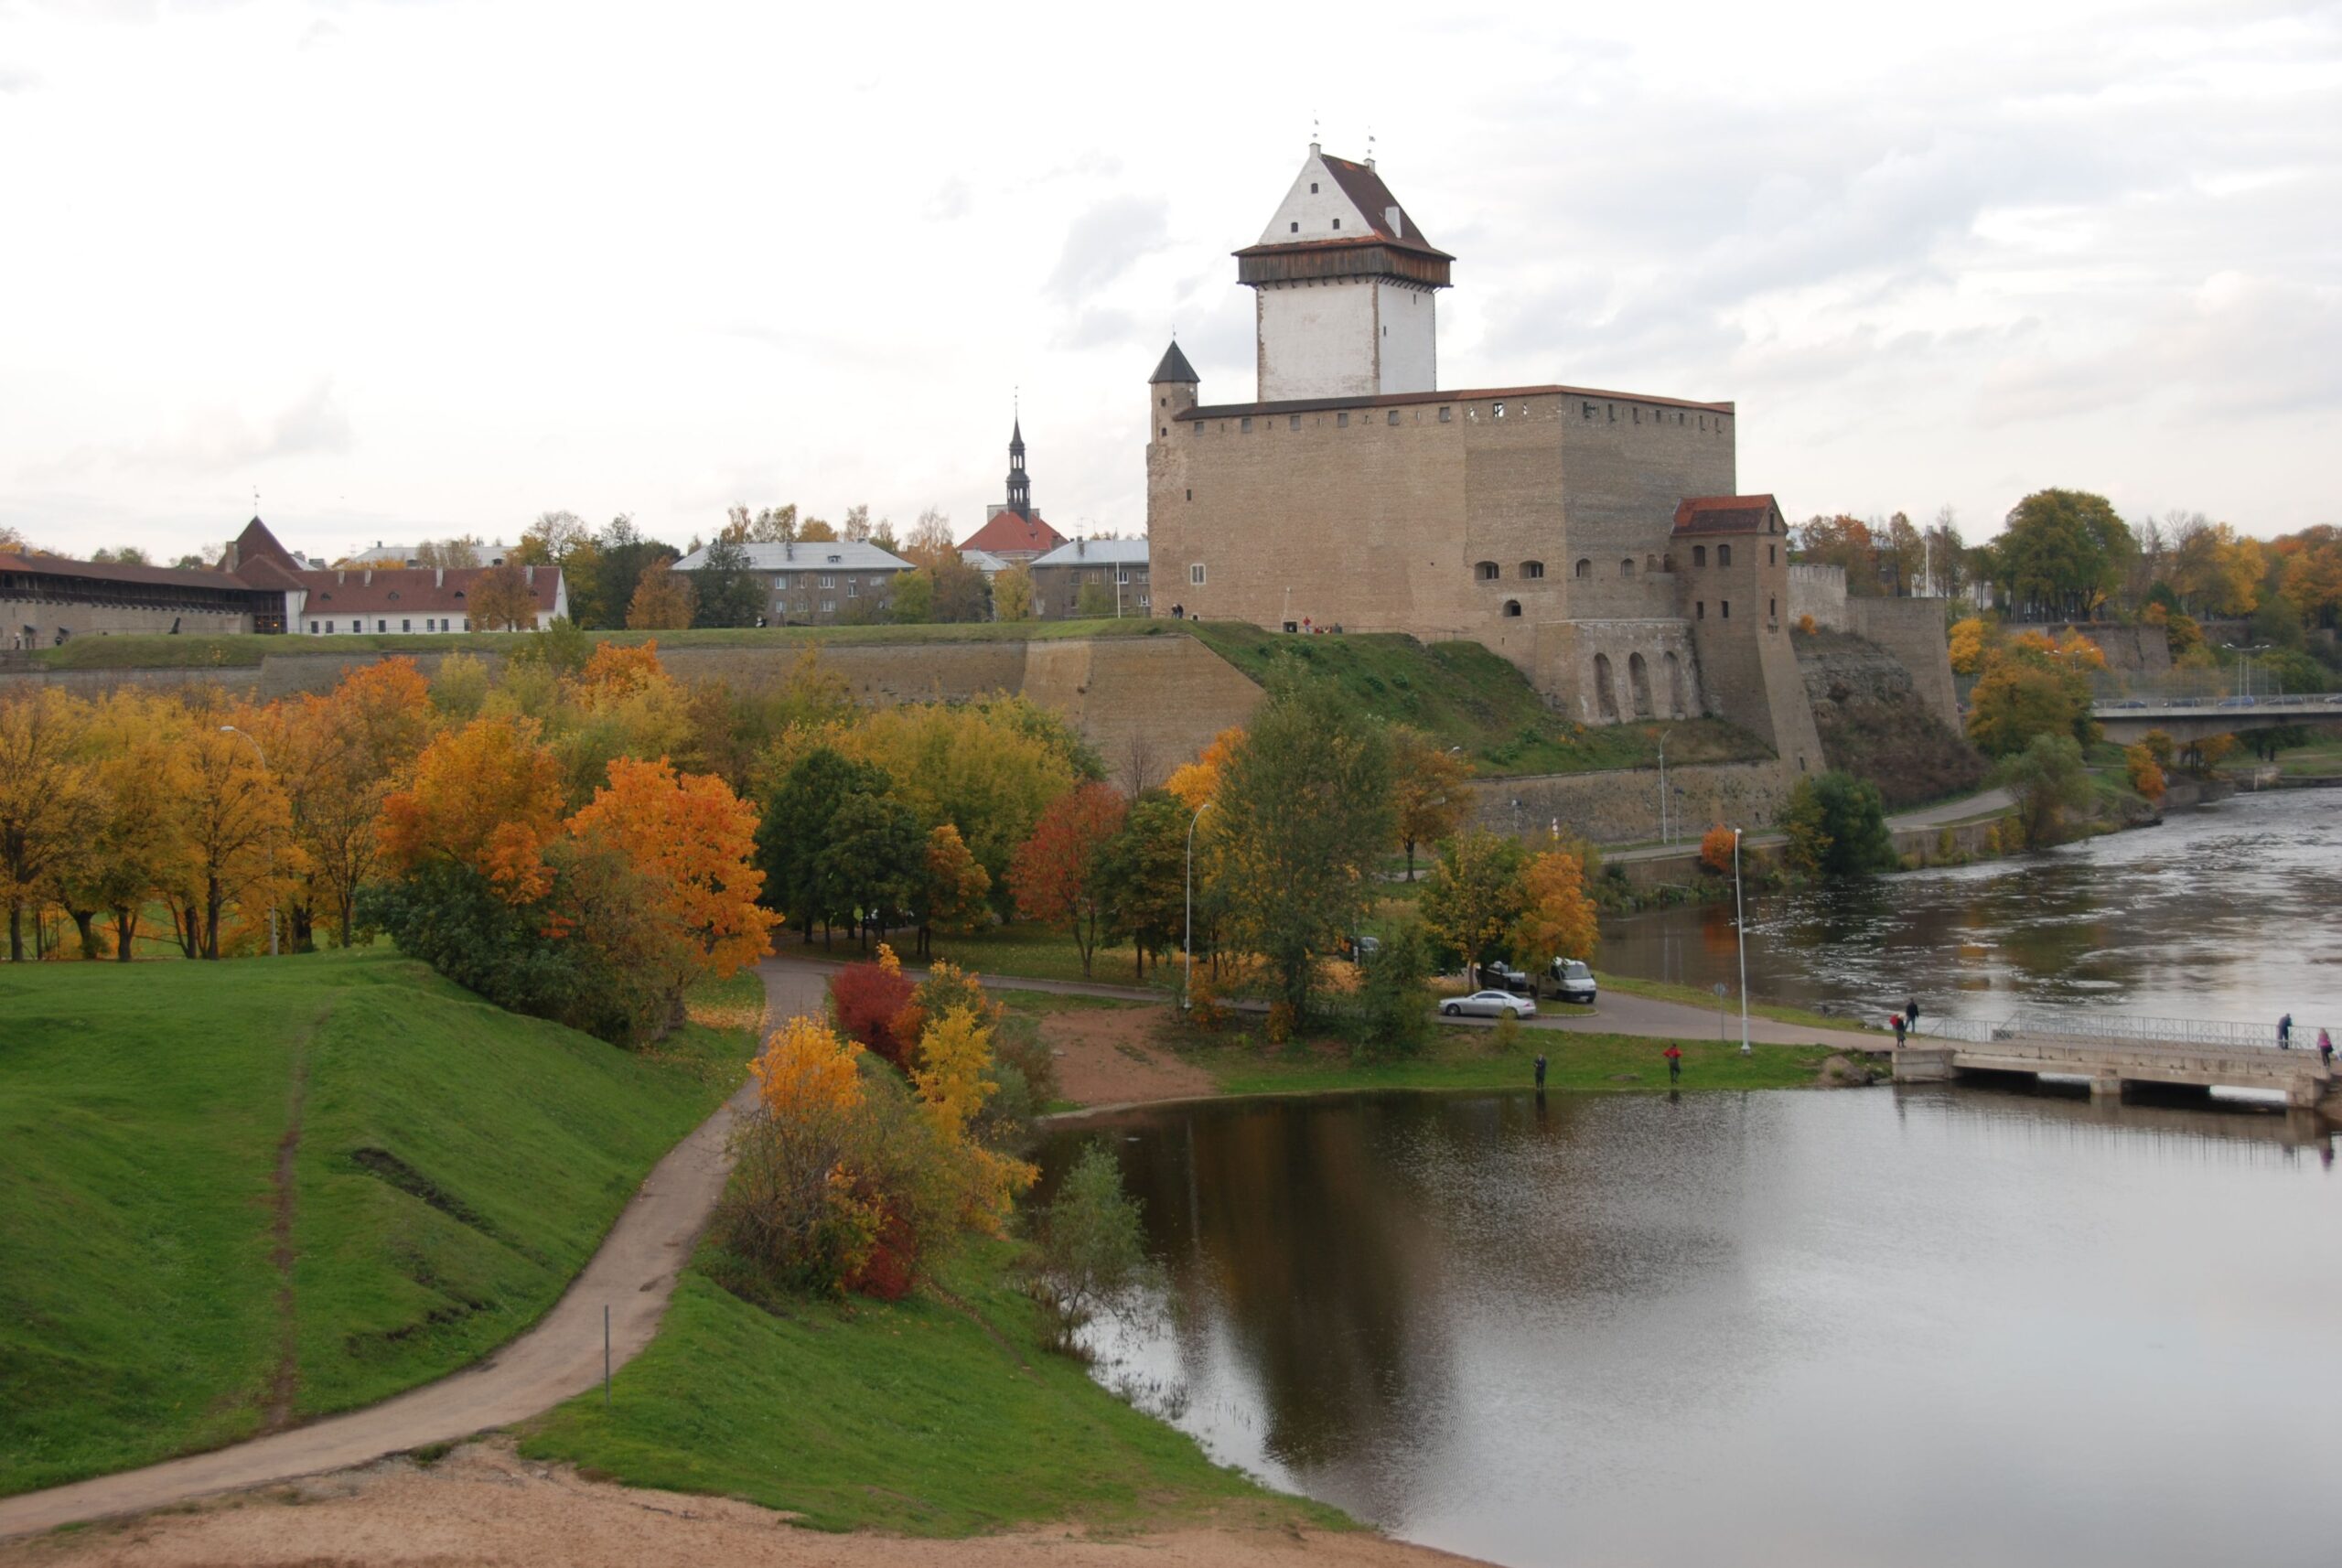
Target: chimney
[1081,546]
[439,577]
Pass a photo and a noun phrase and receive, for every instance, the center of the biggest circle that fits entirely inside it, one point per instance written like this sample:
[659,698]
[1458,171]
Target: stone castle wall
[1819,592]
[1427,516]
[1621,806]
[1913,630]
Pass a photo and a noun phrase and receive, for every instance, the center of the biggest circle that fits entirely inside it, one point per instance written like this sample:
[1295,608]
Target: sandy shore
[484,1505]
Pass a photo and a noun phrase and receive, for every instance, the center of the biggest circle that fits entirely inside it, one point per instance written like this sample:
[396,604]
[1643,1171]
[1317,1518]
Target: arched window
[1606,697]
[1512,607]
[1674,687]
[1650,563]
[1584,568]
[1723,554]
[1667,563]
[1485,571]
[1638,684]
[1626,567]
[1699,555]
[1532,568]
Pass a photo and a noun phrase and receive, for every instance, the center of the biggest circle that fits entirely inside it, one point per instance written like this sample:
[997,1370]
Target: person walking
[2285,1033]
[2326,1050]
[1674,1055]
[1540,1070]
[1898,1022]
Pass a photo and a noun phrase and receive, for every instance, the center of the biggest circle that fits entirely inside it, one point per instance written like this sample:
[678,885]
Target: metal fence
[2117,1028]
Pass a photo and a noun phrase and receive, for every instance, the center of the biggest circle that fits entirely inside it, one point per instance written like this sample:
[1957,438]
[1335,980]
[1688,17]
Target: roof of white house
[835,554]
[1097,552]
[983,560]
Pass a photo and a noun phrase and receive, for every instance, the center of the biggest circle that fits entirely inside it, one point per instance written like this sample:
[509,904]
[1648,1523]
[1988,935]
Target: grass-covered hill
[184,1142]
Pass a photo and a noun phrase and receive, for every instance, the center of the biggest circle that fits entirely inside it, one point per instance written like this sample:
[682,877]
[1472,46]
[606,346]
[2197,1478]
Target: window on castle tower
[1293,422]
[1724,608]
[1512,607]
[1532,568]
[1196,576]
[1343,419]
[1244,425]
[1486,571]
[1626,567]
[1584,568]
[1723,554]
[1394,417]
[1699,555]
[1446,415]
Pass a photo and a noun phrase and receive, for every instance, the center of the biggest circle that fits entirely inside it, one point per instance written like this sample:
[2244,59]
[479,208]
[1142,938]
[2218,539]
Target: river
[1922,1326]
[2226,911]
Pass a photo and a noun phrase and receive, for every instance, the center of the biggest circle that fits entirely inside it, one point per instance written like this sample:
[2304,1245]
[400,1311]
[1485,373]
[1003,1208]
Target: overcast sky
[415,269]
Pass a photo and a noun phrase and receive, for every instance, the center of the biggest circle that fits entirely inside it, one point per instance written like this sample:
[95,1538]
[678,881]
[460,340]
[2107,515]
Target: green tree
[1012,595]
[1302,813]
[1837,827]
[798,820]
[621,556]
[960,594]
[1093,1248]
[1394,1004]
[1474,894]
[873,868]
[730,592]
[915,597]
[2063,553]
[1094,602]
[2025,692]
[2048,784]
[1145,871]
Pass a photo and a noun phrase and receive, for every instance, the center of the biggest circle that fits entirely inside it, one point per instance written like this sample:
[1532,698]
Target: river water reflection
[2228,911]
[1932,1326]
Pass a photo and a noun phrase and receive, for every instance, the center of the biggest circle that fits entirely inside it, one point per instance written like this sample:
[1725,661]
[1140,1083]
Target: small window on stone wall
[1724,608]
[1723,554]
[1392,418]
[1244,425]
[1532,568]
[1770,557]
[1584,568]
[1626,567]
[1485,571]
[1512,607]
[1700,611]
[1699,555]
[1196,576]
[1772,610]
[1342,419]
[1293,422]
[1446,416]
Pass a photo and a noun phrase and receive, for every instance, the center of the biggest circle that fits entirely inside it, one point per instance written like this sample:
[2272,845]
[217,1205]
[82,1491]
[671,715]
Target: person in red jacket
[1674,1055]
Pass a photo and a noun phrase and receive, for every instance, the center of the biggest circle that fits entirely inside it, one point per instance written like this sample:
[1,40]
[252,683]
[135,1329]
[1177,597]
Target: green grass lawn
[941,1414]
[1476,1058]
[1696,996]
[454,1167]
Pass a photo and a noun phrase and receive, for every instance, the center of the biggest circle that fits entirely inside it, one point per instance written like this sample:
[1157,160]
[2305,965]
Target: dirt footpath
[483,1504]
[1110,1057]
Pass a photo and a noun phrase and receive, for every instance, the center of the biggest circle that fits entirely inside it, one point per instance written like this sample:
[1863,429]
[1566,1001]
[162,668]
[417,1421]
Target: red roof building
[378,600]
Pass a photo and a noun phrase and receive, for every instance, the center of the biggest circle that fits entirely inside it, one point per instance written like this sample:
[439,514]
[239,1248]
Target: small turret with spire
[1020,486]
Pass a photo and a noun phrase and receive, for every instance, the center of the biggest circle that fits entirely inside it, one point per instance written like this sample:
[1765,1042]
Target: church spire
[1020,488]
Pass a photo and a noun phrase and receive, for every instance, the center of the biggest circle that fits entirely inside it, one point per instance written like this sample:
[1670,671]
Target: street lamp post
[1187,943]
[231,729]
[1740,933]
[1663,837]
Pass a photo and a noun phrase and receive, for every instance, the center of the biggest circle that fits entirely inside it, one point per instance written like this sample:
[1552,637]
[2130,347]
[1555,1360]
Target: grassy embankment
[945,1413]
[202,652]
[452,1166]
[1462,694]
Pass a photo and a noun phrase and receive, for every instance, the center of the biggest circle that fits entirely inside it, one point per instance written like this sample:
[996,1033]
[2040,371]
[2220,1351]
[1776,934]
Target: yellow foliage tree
[2146,774]
[1715,849]
[1557,919]
[1970,638]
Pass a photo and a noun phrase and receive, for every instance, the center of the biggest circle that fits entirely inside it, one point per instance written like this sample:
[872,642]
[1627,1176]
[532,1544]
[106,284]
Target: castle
[1595,539]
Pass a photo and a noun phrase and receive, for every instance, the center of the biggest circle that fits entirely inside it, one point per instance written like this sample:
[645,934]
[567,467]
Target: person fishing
[1674,1055]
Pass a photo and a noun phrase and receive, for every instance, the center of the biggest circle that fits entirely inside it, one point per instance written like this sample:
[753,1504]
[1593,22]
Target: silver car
[1490,1005]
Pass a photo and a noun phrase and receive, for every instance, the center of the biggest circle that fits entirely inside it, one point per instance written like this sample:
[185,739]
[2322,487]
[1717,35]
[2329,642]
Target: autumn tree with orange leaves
[693,842]
[486,797]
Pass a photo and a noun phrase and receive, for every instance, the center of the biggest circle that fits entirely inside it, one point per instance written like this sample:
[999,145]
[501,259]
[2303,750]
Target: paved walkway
[1967,808]
[633,1275]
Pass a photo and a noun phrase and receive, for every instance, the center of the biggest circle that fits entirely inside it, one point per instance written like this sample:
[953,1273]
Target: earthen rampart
[1621,805]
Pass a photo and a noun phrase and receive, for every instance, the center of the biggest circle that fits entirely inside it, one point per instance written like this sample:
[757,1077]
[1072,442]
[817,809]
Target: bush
[1093,1248]
[1394,1013]
[1837,827]
[1715,849]
[871,1005]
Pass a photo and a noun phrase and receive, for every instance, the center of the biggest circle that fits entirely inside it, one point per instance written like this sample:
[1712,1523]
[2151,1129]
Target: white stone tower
[1345,289]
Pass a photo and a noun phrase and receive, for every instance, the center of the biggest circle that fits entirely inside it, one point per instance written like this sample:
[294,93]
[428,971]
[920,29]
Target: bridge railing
[2223,1034]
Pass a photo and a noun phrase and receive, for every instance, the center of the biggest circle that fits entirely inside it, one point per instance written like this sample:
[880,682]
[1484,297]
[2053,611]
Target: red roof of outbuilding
[410,590]
[1010,532]
[1727,514]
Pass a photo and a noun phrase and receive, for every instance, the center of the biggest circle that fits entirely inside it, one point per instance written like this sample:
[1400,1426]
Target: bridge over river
[2111,1051]
[2128,719]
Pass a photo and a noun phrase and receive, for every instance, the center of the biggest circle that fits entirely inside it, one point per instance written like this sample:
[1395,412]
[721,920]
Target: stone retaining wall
[1621,805]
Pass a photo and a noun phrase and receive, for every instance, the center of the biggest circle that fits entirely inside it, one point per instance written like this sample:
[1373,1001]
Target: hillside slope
[1874,725]
[241,1195]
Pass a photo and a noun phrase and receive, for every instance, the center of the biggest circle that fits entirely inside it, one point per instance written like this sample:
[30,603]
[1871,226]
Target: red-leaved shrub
[869,1003]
